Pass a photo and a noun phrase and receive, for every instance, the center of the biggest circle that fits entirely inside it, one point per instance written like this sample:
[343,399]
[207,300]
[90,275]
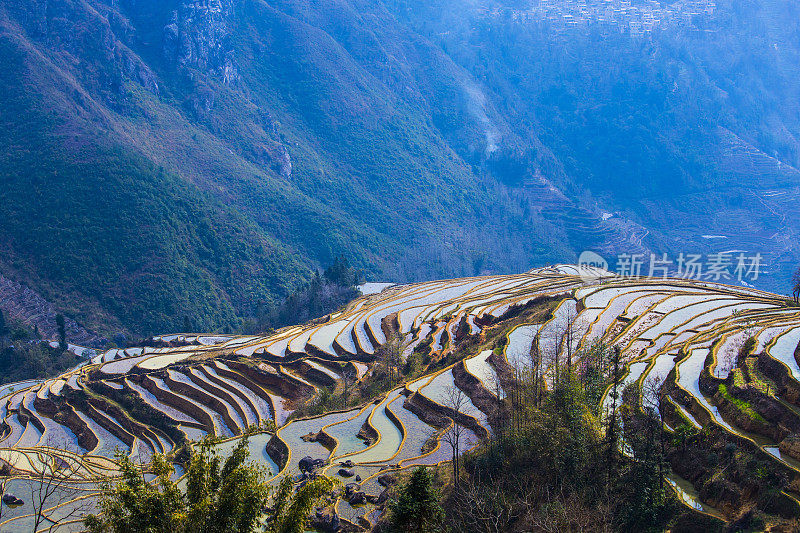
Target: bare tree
[561,337]
[3,483]
[389,354]
[52,485]
[456,400]
[796,285]
[491,507]
[651,404]
[611,430]
[348,379]
[535,367]
[559,512]
[527,386]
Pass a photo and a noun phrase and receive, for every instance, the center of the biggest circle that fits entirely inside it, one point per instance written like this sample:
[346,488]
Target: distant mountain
[169,159]
[681,118]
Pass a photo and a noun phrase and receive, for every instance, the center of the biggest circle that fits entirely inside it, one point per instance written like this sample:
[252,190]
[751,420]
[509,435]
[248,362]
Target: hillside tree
[62,332]
[457,401]
[417,508]
[221,496]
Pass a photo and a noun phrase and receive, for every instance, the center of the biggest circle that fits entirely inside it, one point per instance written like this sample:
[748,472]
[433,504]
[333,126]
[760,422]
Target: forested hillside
[186,158]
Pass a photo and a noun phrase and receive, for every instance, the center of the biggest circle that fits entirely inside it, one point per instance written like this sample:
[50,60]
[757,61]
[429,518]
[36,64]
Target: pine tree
[62,332]
[417,508]
[3,326]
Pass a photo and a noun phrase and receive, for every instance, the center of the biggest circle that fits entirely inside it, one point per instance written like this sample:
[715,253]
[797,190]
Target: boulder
[350,489]
[358,478]
[12,501]
[306,463]
[386,480]
[346,472]
[347,464]
[358,498]
[309,464]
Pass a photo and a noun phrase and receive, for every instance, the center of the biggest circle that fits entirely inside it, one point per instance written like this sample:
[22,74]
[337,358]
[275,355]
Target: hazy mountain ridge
[686,129]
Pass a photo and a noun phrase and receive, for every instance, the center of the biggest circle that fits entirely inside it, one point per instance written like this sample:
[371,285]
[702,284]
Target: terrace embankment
[367,433]
[60,410]
[734,435]
[144,418]
[203,381]
[423,407]
[176,401]
[787,387]
[730,471]
[742,412]
[196,392]
[287,385]
[278,451]
[247,382]
[474,388]
[312,374]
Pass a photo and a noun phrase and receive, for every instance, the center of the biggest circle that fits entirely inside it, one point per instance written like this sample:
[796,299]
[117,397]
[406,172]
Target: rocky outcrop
[321,437]
[198,35]
[387,480]
[791,445]
[326,521]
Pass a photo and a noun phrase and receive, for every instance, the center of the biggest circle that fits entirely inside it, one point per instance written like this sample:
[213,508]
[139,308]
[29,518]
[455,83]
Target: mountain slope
[679,117]
[201,158]
[207,178]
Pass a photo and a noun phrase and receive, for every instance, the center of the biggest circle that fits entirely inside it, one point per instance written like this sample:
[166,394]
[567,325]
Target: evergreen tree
[291,508]
[227,496]
[3,326]
[62,332]
[417,508]
[341,273]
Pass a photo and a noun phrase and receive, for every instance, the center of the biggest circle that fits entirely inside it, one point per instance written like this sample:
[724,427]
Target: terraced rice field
[676,334]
